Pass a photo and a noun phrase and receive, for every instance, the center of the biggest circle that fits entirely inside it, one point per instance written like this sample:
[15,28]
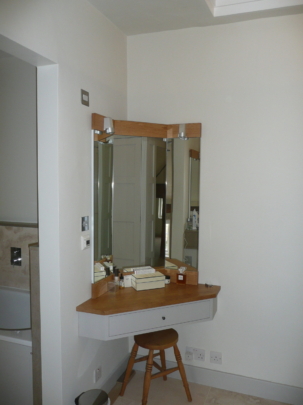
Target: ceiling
[135,17]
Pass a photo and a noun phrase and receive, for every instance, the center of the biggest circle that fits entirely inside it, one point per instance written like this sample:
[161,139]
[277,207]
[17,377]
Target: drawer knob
[163,317]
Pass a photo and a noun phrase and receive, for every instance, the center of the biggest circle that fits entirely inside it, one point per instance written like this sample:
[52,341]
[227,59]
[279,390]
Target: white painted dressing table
[127,312]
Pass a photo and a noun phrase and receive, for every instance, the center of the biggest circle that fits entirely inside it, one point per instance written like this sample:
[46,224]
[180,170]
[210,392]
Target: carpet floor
[171,392]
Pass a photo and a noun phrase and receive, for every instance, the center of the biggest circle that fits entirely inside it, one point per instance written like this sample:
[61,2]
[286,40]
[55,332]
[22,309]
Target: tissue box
[148,281]
[99,272]
[99,275]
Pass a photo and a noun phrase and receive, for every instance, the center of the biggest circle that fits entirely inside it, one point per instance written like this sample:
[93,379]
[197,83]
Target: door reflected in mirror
[142,201]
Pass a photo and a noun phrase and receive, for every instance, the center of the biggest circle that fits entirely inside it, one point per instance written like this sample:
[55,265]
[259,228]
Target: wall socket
[192,353]
[97,374]
[188,260]
[216,357]
[189,353]
[199,354]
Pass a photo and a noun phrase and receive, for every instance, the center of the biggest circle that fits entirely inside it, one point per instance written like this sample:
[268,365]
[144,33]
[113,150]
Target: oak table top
[128,299]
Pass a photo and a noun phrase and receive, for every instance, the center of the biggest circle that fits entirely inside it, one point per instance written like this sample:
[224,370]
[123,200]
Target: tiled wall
[20,237]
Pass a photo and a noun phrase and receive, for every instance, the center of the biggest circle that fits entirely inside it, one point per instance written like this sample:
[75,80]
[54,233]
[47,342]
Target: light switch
[85,97]
[16,258]
[84,224]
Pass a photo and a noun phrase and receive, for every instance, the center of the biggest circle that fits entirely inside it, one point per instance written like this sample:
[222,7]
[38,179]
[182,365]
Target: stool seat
[160,340]
[152,341]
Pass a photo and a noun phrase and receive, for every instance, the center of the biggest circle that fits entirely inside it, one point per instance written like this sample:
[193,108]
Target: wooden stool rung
[157,366]
[165,372]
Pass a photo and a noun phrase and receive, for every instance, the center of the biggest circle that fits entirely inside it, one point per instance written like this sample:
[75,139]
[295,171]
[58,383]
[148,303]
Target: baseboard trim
[236,383]
[112,380]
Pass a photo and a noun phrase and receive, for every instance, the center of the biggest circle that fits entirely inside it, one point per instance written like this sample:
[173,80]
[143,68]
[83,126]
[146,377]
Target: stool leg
[149,367]
[163,363]
[130,365]
[182,372]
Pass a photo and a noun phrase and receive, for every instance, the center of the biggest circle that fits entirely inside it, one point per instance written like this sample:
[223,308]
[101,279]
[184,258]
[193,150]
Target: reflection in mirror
[191,234]
[194,176]
[138,212]
[141,204]
[180,201]
[103,179]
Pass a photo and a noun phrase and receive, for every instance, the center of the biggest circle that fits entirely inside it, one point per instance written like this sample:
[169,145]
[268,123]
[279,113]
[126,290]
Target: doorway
[48,216]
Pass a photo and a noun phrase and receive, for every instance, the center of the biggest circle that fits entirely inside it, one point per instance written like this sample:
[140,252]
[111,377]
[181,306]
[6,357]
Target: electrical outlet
[188,260]
[216,357]
[189,354]
[97,374]
[199,354]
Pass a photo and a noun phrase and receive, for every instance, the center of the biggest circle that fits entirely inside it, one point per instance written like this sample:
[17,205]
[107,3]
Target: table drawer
[141,321]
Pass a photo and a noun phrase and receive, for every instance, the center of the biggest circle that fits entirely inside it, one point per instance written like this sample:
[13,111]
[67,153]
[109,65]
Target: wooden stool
[156,341]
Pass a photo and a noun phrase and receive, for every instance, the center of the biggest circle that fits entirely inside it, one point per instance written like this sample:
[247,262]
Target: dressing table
[126,312]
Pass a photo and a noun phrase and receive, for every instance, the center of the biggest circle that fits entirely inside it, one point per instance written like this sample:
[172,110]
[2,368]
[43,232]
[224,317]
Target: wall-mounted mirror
[191,233]
[102,197]
[141,200]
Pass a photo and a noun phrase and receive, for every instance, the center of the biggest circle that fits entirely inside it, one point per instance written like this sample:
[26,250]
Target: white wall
[244,82]
[90,54]
[18,152]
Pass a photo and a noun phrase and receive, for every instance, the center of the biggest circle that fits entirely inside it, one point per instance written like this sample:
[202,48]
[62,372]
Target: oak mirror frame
[142,185]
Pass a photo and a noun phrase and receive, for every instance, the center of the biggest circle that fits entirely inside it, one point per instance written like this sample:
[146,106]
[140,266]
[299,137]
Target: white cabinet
[107,327]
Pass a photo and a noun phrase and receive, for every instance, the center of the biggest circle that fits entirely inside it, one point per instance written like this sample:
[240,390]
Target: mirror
[102,197]
[191,233]
[144,189]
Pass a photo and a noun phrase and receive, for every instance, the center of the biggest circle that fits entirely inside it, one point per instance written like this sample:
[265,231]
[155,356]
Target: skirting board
[112,380]
[236,383]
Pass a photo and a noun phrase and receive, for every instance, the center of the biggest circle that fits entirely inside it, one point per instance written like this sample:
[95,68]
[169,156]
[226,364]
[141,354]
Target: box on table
[148,281]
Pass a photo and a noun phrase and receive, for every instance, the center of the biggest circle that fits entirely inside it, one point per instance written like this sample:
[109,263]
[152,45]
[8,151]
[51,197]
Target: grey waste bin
[93,397]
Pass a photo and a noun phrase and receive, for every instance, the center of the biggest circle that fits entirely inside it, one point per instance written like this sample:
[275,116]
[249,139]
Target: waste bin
[93,397]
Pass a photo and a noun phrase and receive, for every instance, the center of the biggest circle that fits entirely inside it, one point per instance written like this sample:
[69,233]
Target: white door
[127,157]
[148,200]
[153,175]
